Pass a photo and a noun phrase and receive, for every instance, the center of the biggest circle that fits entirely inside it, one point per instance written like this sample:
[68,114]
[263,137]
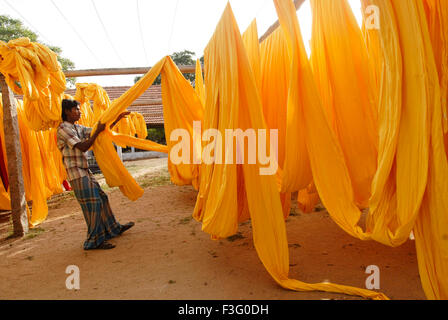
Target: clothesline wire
[76,32]
[141,33]
[29,23]
[263,5]
[172,26]
[107,34]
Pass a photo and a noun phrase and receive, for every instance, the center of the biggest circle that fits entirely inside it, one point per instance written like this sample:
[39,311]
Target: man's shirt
[75,161]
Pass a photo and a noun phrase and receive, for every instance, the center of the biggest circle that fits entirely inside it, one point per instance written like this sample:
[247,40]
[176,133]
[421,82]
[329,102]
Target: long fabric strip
[229,96]
[341,68]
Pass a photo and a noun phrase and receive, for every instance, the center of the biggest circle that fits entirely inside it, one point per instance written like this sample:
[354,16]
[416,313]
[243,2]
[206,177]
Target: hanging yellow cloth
[140,125]
[181,107]
[86,92]
[41,177]
[410,145]
[251,43]
[32,70]
[33,170]
[437,17]
[275,68]
[341,68]
[87,116]
[233,101]
[199,83]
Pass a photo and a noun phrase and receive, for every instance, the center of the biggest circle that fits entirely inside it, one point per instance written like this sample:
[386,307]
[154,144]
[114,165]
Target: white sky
[164,29]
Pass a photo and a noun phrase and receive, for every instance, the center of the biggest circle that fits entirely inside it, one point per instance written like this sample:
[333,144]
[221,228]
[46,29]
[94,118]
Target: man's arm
[85,145]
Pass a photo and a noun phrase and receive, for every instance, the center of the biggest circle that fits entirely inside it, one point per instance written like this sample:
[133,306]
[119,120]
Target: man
[73,141]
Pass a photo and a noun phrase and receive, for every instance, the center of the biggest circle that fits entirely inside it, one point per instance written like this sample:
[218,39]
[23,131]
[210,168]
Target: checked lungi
[101,224]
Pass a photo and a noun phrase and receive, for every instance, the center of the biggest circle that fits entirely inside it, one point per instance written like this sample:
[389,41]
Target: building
[149,104]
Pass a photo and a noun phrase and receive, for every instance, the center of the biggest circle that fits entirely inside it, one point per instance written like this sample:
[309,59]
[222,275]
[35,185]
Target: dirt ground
[167,255]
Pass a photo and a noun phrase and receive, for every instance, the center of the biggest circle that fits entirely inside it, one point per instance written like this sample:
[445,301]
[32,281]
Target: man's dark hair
[68,105]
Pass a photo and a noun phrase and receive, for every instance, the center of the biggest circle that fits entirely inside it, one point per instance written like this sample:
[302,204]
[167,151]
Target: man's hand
[100,128]
[85,145]
[121,116]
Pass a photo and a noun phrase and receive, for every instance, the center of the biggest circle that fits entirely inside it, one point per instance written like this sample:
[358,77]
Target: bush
[157,135]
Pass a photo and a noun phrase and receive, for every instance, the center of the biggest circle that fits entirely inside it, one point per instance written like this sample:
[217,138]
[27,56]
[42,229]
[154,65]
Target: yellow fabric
[307,198]
[363,129]
[140,125]
[41,167]
[181,107]
[42,82]
[86,92]
[233,101]
[5,200]
[87,116]
[275,69]
[250,40]
[199,83]
[341,68]
[409,146]
[437,17]
[33,173]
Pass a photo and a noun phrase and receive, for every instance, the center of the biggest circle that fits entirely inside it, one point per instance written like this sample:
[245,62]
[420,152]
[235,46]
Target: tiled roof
[148,104]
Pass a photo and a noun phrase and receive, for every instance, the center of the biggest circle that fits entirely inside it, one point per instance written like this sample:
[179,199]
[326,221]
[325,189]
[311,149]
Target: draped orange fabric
[32,70]
[341,68]
[410,149]
[229,96]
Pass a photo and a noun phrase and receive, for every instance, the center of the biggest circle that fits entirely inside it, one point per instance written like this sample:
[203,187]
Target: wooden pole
[120,152]
[297,4]
[147,102]
[119,71]
[14,154]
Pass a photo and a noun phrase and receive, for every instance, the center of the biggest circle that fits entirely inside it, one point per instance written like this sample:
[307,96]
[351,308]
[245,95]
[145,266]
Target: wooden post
[120,152]
[14,154]
[119,71]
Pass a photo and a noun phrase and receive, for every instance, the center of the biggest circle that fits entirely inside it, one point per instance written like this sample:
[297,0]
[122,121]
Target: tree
[184,58]
[13,28]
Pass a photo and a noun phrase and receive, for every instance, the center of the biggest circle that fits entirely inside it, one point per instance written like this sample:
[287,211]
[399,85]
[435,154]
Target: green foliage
[157,135]
[13,28]
[184,58]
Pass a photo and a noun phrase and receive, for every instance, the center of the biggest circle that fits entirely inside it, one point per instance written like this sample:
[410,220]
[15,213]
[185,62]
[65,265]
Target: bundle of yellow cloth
[32,70]
[134,124]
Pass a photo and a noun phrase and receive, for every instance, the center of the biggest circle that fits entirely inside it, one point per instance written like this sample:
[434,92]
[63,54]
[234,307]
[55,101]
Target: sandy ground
[167,256]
